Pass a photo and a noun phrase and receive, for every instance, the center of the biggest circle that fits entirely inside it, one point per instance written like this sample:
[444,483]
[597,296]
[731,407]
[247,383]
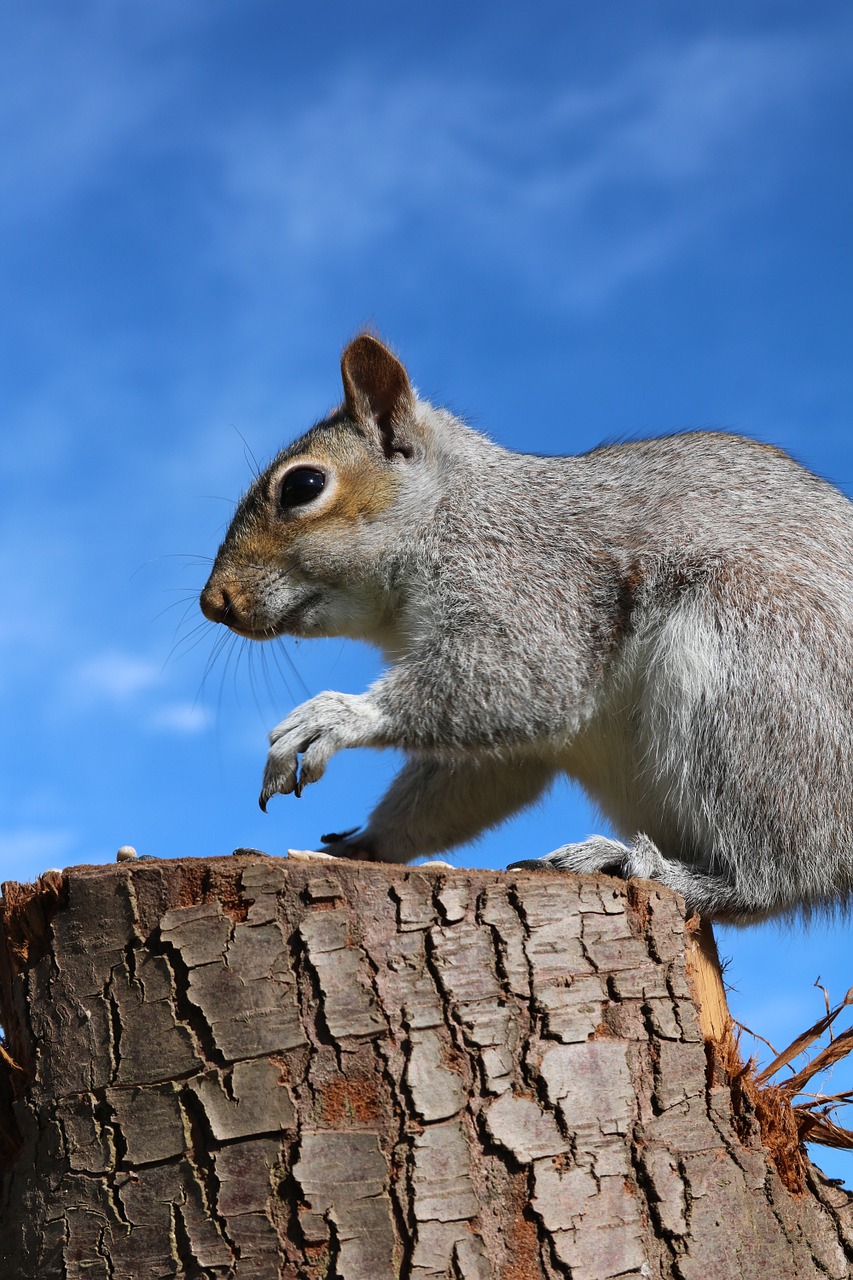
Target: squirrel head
[307,552]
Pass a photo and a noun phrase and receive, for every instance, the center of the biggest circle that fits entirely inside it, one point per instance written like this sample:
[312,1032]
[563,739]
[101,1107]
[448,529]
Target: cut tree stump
[267,1068]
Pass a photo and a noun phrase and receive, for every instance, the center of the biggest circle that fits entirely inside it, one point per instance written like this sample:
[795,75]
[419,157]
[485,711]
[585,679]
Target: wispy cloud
[182,718]
[134,684]
[78,89]
[581,191]
[566,196]
[114,677]
[607,182]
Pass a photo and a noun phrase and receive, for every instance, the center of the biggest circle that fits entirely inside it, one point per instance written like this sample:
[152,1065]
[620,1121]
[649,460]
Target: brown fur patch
[364,489]
[263,539]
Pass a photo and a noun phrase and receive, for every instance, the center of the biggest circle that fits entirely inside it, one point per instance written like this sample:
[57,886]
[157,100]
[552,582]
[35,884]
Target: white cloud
[114,677]
[180,718]
[128,680]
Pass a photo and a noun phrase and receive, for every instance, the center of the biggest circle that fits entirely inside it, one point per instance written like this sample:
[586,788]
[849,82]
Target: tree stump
[266,1068]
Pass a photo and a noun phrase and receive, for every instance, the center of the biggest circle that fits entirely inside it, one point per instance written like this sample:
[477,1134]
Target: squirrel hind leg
[708,893]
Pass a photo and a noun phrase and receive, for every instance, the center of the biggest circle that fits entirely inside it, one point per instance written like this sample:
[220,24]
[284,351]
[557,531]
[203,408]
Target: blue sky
[573,221]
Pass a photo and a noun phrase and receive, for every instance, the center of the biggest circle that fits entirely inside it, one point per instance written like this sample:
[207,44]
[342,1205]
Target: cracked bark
[255,1067]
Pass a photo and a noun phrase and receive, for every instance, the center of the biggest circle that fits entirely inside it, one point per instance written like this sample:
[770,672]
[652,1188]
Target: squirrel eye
[301,485]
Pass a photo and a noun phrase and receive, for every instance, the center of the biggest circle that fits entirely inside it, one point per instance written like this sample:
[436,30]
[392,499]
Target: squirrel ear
[377,391]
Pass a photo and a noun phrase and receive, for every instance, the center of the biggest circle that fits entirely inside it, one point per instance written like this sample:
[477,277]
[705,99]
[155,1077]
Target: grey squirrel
[667,621]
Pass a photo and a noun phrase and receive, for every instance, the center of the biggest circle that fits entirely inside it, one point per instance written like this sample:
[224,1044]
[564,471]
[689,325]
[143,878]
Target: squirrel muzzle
[215,603]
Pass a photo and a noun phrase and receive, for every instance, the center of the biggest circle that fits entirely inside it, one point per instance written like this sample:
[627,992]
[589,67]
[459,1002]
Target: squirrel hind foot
[596,854]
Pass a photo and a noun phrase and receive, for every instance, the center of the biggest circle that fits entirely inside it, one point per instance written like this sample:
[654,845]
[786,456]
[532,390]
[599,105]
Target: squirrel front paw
[317,729]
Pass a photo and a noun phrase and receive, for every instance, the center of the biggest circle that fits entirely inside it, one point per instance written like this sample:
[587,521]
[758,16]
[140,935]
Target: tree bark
[254,1067]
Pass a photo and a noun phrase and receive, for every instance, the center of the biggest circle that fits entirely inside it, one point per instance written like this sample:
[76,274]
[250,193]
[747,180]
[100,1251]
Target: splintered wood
[250,1067]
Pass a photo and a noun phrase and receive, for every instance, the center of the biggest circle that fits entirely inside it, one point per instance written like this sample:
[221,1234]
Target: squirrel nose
[216,603]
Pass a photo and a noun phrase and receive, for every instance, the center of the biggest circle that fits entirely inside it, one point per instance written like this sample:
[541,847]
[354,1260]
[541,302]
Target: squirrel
[667,621]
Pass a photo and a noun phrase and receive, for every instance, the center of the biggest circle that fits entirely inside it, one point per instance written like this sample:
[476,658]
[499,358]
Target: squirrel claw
[338,837]
[278,780]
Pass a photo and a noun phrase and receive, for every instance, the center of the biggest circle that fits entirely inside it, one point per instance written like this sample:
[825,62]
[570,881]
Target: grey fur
[667,621]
